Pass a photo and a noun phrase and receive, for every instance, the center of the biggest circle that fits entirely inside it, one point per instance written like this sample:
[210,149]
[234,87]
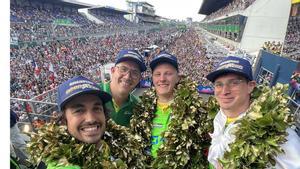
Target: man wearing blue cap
[165,77]
[85,114]
[81,141]
[163,119]
[126,74]
[233,85]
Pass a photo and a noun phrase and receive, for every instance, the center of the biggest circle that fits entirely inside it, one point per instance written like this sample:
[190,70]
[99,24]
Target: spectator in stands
[39,68]
[233,84]
[18,151]
[292,39]
[17,139]
[126,74]
[59,60]
[233,6]
[38,123]
[273,47]
[191,55]
[54,117]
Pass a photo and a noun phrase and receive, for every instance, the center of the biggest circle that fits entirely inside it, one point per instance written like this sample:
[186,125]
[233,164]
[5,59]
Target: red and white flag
[37,70]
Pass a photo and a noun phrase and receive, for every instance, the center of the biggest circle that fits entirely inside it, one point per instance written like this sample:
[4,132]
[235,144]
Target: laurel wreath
[261,131]
[119,149]
[187,138]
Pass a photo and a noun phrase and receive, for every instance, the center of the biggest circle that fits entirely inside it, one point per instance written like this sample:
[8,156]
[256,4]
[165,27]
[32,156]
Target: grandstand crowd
[234,6]
[273,47]
[40,67]
[59,60]
[291,45]
[292,39]
[64,50]
[30,23]
[50,45]
[289,48]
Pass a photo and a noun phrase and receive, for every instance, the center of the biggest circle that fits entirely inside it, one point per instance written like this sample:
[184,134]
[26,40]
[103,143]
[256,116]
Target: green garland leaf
[261,131]
[119,149]
[187,136]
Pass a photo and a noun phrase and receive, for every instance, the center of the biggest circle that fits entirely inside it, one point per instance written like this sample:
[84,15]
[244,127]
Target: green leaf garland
[119,149]
[261,131]
[187,136]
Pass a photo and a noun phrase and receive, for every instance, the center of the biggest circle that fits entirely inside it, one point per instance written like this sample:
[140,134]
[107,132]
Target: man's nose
[162,77]
[90,115]
[226,88]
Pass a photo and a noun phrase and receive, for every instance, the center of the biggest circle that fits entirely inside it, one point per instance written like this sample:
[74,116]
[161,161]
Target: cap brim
[142,66]
[155,62]
[105,97]
[214,75]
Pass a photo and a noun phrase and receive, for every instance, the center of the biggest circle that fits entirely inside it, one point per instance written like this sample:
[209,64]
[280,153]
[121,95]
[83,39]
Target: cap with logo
[76,86]
[232,64]
[164,57]
[132,55]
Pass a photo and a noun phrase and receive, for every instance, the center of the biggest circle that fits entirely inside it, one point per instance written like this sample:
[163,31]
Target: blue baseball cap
[76,86]
[132,55]
[232,64]
[164,57]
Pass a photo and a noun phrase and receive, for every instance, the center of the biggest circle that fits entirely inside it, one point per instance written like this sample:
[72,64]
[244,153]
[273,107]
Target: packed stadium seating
[235,5]
[68,44]
[292,40]
[30,23]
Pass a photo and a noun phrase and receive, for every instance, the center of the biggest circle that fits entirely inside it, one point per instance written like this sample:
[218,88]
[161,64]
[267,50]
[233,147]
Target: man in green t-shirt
[126,74]
[165,77]
[171,120]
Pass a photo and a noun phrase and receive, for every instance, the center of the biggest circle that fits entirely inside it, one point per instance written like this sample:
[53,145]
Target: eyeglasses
[233,83]
[124,70]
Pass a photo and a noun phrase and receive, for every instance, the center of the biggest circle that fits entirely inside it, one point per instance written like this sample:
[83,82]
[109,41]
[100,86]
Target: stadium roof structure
[146,14]
[70,3]
[109,9]
[148,20]
[141,2]
[210,6]
[146,3]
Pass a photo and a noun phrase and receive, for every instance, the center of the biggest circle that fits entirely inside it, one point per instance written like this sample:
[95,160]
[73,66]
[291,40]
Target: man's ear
[179,77]
[251,86]
[63,119]
[113,69]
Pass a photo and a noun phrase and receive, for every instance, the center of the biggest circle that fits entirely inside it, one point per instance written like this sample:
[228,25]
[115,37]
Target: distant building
[142,12]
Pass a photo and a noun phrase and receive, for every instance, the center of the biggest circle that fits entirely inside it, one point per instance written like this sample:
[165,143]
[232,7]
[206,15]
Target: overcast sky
[173,9]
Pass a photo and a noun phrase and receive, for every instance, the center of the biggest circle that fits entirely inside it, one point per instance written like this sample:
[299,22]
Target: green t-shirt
[123,115]
[160,124]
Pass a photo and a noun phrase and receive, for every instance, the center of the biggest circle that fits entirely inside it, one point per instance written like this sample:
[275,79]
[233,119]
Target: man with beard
[126,74]
[86,138]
